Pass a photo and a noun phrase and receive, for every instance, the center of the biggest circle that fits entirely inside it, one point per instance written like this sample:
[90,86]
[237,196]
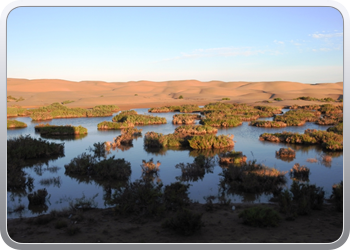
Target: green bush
[260,217]
[278,99]
[139,198]
[47,129]
[211,141]
[181,97]
[176,195]
[185,222]
[226,98]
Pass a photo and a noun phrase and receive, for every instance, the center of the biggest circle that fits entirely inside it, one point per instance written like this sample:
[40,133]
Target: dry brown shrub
[311,160]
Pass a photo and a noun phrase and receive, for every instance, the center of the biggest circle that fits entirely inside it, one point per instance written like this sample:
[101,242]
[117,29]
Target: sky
[120,44]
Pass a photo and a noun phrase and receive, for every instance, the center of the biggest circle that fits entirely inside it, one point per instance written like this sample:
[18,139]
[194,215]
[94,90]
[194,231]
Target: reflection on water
[207,181]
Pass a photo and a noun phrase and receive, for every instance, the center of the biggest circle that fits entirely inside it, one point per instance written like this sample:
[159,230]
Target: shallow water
[245,137]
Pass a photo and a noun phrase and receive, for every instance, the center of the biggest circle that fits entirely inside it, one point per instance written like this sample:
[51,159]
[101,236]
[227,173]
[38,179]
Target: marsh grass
[268,124]
[233,157]
[328,140]
[338,129]
[185,118]
[57,110]
[55,130]
[211,141]
[285,152]
[114,125]
[131,116]
[15,124]
[299,173]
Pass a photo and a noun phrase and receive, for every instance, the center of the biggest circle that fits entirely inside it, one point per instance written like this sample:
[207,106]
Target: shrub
[38,197]
[181,97]
[300,172]
[25,147]
[268,124]
[232,157]
[307,197]
[278,99]
[114,125]
[185,222]
[226,98]
[130,116]
[139,198]
[286,152]
[260,217]
[337,196]
[176,195]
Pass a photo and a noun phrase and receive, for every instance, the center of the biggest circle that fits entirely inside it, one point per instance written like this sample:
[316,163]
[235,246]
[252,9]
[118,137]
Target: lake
[246,140]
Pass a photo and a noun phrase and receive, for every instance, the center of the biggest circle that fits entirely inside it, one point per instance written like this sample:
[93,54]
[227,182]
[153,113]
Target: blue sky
[119,44]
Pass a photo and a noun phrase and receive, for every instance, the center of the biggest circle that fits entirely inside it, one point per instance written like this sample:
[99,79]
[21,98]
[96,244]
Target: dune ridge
[146,94]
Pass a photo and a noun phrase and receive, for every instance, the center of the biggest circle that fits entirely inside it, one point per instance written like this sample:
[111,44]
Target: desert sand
[147,94]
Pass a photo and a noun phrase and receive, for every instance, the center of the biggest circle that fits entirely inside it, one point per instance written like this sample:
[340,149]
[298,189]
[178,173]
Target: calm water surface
[246,140]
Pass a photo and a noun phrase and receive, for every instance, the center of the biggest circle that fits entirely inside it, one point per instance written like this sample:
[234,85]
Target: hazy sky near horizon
[119,44]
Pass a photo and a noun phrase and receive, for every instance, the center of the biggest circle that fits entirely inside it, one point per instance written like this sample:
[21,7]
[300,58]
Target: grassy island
[47,129]
[15,124]
[114,125]
[328,140]
[131,116]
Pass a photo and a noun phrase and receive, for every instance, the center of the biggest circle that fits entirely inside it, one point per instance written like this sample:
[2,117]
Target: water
[246,141]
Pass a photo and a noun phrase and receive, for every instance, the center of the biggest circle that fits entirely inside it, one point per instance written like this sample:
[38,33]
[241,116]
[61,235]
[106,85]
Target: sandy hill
[136,94]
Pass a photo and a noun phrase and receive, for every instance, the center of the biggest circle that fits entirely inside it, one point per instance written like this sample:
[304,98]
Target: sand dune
[137,94]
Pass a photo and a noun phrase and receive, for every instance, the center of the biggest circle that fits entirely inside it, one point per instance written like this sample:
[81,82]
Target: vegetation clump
[150,167]
[331,109]
[260,216]
[176,196]
[105,125]
[126,137]
[158,140]
[15,124]
[232,157]
[106,169]
[186,108]
[57,110]
[16,111]
[47,129]
[195,130]
[300,199]
[211,141]
[278,99]
[337,196]
[268,124]
[131,116]
[225,99]
[299,173]
[185,118]
[286,152]
[332,119]
[297,117]
[224,122]
[329,140]
[25,147]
